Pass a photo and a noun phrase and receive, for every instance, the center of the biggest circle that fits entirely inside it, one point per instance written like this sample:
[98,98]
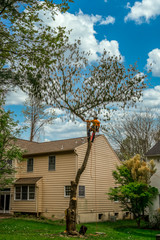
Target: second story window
[52,163]
[30,165]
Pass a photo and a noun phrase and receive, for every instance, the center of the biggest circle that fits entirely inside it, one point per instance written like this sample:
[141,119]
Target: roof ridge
[57,140]
[26,140]
[63,140]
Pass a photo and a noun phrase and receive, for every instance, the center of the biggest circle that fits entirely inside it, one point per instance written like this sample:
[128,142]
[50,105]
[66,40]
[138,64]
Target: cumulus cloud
[143,11]
[108,20]
[82,26]
[57,111]
[153,62]
[16,97]
[64,130]
[151,97]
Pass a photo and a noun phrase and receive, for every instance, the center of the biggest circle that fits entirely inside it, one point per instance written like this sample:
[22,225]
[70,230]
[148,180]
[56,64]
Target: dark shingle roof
[34,148]
[31,180]
[155,150]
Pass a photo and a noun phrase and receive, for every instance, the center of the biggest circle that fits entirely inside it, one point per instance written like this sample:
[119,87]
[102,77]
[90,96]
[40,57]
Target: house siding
[155,182]
[97,180]
[50,198]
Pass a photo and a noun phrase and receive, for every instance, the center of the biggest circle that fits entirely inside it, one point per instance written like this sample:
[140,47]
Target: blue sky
[128,28]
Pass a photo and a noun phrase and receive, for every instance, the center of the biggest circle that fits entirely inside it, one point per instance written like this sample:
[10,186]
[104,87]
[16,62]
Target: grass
[32,229]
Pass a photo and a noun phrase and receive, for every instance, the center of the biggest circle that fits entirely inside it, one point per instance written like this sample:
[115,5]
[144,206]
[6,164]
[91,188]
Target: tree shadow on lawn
[137,233]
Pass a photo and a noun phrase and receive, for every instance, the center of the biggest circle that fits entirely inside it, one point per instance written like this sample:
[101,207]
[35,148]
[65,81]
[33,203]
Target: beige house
[42,184]
[154,153]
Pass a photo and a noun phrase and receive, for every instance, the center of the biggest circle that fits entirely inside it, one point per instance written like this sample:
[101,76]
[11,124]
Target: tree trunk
[138,222]
[71,211]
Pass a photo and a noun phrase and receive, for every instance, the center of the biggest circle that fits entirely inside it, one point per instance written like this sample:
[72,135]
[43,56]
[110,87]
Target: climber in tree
[94,128]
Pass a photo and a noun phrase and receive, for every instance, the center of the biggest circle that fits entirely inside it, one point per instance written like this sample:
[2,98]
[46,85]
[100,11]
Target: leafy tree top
[82,88]
[134,170]
[133,190]
[9,151]
[19,37]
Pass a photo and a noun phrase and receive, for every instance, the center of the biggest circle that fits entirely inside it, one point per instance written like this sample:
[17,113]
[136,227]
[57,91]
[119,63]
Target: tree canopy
[72,83]
[9,151]
[133,133]
[23,35]
[37,115]
[133,190]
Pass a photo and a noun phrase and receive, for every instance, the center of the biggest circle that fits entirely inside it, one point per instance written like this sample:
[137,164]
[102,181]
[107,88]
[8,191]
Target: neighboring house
[42,184]
[154,153]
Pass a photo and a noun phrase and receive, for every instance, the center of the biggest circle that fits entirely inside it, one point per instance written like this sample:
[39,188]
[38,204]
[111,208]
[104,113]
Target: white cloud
[64,130]
[68,129]
[151,97]
[82,26]
[108,20]
[55,110]
[105,1]
[16,97]
[153,62]
[143,11]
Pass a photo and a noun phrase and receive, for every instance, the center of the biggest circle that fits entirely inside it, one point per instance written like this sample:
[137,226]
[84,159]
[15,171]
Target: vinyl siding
[97,178]
[51,187]
[155,182]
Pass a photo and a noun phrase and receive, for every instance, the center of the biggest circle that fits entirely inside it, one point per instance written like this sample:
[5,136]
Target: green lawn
[30,229]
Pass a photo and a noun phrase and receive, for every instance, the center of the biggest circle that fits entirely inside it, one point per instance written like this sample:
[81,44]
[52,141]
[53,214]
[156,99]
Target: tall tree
[82,89]
[37,116]
[132,133]
[133,189]
[9,152]
[21,39]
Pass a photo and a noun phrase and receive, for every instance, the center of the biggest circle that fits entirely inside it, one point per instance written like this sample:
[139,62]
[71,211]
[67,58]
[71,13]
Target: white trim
[27,193]
[67,196]
[4,210]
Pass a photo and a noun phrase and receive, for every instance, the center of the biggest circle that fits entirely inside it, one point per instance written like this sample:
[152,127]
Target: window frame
[28,192]
[84,191]
[67,195]
[28,170]
[54,163]
[24,194]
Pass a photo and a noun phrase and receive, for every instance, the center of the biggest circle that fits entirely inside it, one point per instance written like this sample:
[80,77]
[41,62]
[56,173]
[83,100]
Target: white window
[67,191]
[25,192]
[31,193]
[81,191]
[52,163]
[18,193]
